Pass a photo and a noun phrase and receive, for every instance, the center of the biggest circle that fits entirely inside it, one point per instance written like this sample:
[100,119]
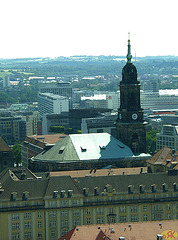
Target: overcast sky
[51,28]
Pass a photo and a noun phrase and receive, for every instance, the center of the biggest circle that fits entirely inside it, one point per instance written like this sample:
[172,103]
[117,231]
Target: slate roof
[121,182]
[86,147]
[59,184]
[11,182]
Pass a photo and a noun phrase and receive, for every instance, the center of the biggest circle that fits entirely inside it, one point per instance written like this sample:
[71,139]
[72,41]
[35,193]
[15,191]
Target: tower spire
[129,56]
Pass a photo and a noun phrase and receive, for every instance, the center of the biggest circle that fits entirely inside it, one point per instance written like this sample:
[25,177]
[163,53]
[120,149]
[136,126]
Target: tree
[17,153]
[151,141]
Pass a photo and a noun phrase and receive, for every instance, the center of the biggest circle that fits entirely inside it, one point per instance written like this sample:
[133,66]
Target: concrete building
[48,206]
[61,89]
[49,103]
[167,137]
[158,101]
[49,120]
[105,123]
[13,129]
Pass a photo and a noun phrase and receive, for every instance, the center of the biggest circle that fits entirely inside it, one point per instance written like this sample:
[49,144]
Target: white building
[167,137]
[61,89]
[49,103]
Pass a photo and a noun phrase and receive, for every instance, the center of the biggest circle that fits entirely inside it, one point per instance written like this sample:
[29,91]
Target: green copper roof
[93,146]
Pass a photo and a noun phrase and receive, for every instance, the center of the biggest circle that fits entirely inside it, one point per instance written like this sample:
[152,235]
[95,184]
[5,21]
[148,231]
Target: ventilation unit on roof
[159,237]
[83,149]
[102,147]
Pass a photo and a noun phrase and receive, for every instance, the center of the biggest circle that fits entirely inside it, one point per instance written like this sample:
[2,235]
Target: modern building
[46,207]
[6,155]
[49,120]
[122,231]
[131,128]
[105,123]
[167,137]
[33,145]
[86,151]
[13,129]
[158,101]
[61,89]
[49,103]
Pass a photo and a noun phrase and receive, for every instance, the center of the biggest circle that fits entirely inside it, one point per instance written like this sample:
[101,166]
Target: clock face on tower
[134,116]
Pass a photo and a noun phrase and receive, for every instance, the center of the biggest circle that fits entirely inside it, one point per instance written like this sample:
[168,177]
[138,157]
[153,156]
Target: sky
[53,28]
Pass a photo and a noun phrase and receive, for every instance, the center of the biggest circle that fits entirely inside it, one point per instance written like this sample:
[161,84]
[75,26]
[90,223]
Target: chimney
[159,237]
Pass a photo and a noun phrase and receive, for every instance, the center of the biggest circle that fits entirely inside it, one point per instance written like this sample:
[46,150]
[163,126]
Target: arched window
[135,137]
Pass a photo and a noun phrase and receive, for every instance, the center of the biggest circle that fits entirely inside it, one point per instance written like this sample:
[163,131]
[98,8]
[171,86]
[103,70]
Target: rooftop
[128,231]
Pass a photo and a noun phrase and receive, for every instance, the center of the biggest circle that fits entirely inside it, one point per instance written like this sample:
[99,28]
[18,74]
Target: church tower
[130,124]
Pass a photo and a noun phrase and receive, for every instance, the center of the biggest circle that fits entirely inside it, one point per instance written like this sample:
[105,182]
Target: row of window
[26,216]
[27,235]
[27,225]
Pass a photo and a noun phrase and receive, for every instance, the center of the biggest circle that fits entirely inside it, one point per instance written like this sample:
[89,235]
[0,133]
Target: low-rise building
[33,145]
[164,160]
[46,207]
